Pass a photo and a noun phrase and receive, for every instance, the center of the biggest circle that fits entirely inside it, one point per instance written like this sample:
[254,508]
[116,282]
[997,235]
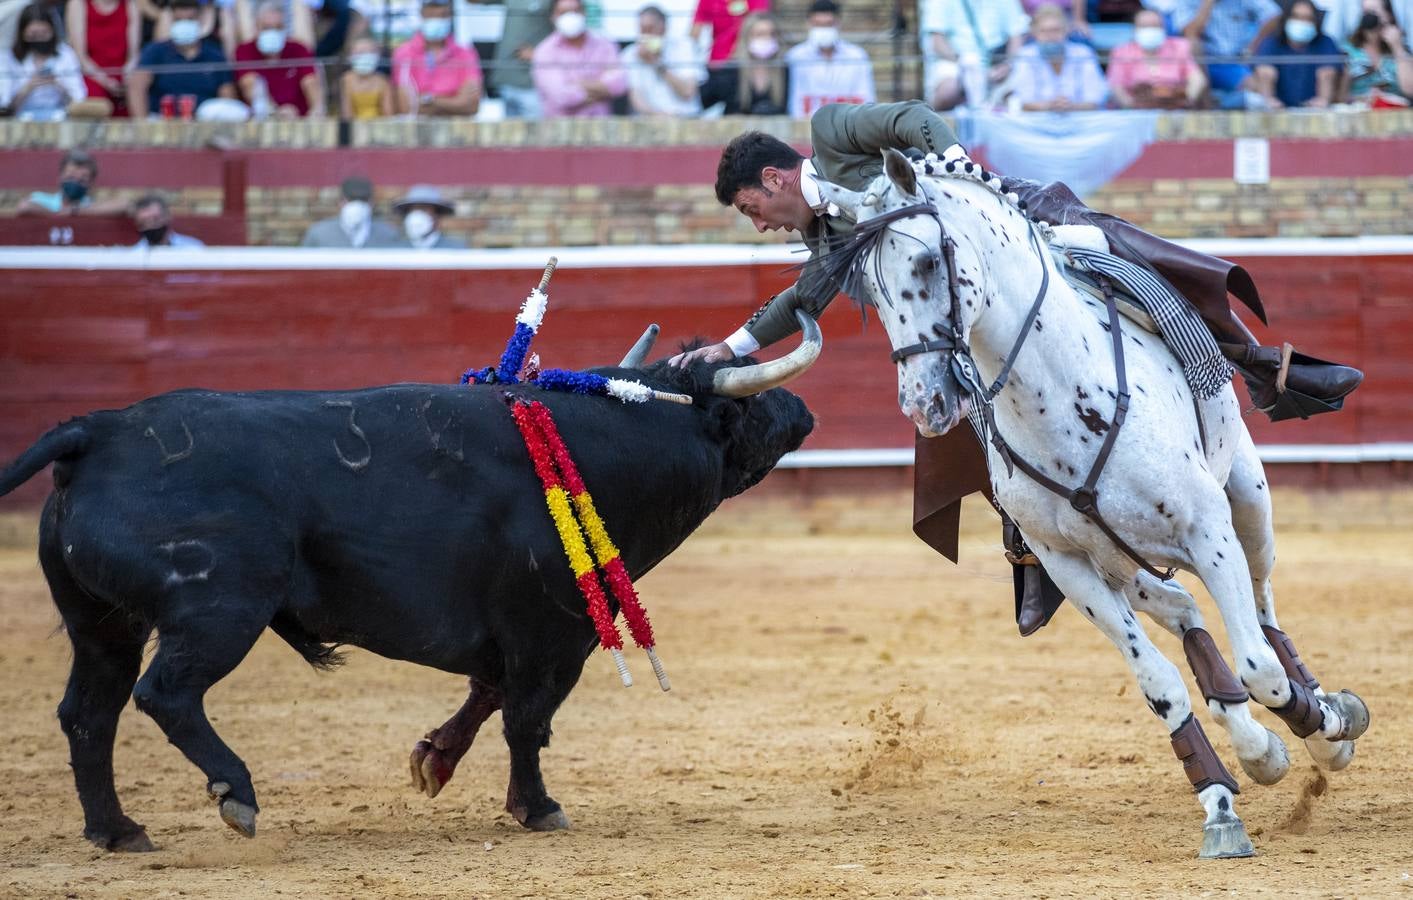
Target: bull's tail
[65,442]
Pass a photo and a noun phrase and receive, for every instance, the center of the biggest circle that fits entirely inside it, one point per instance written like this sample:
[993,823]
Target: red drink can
[169,106]
[187,105]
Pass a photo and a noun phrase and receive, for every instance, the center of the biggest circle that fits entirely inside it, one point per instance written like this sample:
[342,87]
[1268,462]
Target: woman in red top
[104,34]
[725,18]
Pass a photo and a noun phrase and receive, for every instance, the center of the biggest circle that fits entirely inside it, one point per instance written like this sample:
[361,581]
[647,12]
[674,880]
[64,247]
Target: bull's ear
[900,171]
[848,201]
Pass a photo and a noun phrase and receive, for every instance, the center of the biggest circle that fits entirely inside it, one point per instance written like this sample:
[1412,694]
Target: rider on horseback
[771,184]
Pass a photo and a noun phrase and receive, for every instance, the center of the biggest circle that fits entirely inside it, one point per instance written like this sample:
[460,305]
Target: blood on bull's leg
[434,760]
[1262,753]
[1162,686]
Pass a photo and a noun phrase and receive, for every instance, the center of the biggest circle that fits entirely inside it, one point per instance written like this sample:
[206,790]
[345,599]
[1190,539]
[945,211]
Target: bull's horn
[638,353]
[746,380]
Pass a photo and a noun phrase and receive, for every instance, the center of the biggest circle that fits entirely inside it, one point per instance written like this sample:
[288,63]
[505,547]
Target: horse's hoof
[1354,712]
[127,842]
[1330,755]
[1273,765]
[555,821]
[1225,838]
[239,816]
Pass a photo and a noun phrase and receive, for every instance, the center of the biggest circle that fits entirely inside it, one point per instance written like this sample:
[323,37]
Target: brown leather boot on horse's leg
[1037,597]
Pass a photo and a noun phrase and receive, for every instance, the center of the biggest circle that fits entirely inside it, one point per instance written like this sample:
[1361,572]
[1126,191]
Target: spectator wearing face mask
[287,91]
[365,93]
[576,72]
[153,220]
[1379,61]
[422,211]
[1154,70]
[41,77]
[757,81]
[1055,73]
[355,225]
[77,173]
[1226,28]
[433,75]
[826,68]
[663,74]
[1313,75]
[152,81]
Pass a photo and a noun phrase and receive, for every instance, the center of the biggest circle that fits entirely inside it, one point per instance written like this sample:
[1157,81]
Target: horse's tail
[68,441]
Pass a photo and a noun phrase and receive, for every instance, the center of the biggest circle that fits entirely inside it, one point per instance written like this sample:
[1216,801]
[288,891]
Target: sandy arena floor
[851,717]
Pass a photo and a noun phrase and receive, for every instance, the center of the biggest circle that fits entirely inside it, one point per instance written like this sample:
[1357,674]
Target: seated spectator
[1304,82]
[725,18]
[105,36]
[422,211]
[1055,73]
[286,92]
[1154,70]
[663,74]
[576,72]
[1073,11]
[364,92]
[1227,28]
[77,173]
[355,225]
[527,22]
[966,47]
[152,81]
[1379,61]
[433,75]
[826,68]
[153,220]
[41,78]
[757,81]
[243,21]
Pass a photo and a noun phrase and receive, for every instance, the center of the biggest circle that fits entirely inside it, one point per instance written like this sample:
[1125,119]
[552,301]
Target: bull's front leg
[531,698]
[434,759]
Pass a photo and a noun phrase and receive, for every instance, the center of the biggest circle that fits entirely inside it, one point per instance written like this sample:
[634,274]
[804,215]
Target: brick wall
[558,213]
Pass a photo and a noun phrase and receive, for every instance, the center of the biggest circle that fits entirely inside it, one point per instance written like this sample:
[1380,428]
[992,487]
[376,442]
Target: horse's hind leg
[1250,501]
[1223,833]
[107,654]
[1262,753]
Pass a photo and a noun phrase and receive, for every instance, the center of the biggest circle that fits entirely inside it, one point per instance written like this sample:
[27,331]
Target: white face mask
[824,36]
[185,32]
[651,43]
[436,29]
[354,214]
[364,63]
[270,41]
[418,224]
[1299,31]
[1150,37]
[763,47]
[571,24]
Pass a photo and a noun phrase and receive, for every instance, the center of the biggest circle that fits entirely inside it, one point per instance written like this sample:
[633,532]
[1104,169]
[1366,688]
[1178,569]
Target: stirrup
[1290,403]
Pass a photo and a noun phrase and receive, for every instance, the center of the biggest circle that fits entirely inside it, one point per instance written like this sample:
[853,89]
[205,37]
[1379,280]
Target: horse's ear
[848,201]
[900,171]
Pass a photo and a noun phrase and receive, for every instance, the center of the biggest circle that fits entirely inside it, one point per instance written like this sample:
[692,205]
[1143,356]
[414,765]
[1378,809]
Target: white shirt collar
[809,186]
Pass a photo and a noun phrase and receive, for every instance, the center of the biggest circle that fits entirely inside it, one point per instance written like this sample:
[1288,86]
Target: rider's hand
[709,354]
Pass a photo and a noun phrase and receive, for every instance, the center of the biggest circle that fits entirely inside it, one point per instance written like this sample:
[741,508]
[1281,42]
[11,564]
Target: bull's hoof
[130,840]
[430,770]
[1273,765]
[1224,837]
[1354,712]
[554,821]
[239,816]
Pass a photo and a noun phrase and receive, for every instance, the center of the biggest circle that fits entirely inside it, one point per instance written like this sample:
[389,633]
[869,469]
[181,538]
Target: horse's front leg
[1250,501]
[1262,753]
[1224,835]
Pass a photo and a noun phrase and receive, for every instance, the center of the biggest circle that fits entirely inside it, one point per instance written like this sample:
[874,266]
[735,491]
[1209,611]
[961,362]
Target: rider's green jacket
[848,141]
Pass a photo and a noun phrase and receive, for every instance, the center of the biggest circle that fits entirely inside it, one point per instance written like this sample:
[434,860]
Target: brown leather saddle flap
[946,469]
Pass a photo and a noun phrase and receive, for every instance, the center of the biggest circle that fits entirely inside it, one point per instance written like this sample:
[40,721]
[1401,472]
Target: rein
[1085,498]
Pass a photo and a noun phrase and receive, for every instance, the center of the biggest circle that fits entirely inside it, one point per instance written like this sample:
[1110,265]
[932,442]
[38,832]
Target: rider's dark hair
[745,157]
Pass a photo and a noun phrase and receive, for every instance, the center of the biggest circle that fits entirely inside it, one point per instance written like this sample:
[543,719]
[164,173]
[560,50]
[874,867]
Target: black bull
[404,519]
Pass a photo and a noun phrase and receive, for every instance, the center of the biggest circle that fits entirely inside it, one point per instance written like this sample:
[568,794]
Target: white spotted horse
[1111,464]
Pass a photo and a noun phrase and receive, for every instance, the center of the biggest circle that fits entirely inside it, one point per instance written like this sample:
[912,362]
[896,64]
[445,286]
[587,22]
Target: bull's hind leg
[200,639]
[1224,835]
[107,654]
[434,759]
[1250,501]
[534,688]
[1261,752]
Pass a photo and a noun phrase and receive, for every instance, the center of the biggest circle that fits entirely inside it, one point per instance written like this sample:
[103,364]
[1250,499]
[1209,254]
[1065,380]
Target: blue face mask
[1051,49]
[436,29]
[1298,31]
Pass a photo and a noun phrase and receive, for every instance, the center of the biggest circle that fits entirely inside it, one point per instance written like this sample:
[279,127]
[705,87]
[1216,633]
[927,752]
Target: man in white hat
[422,210]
